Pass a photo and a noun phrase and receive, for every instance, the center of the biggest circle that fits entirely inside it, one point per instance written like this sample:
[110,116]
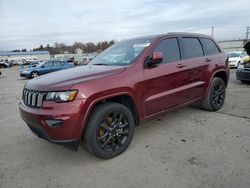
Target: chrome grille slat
[29,98]
[26,96]
[33,98]
[40,99]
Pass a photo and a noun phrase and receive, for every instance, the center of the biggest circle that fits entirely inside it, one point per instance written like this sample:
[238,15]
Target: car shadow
[82,156]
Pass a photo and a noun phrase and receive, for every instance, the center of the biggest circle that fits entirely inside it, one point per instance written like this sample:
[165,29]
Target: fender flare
[96,101]
[211,79]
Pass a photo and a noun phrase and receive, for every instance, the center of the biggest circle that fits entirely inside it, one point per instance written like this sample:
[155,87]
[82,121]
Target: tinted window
[170,50]
[192,47]
[210,47]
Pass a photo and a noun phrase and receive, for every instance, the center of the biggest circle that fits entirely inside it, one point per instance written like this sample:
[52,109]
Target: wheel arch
[122,98]
[220,74]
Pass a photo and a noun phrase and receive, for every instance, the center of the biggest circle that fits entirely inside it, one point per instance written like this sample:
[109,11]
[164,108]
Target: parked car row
[236,58]
[5,64]
[39,68]
[243,71]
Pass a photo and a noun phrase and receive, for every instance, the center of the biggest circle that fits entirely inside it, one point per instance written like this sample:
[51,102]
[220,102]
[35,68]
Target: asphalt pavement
[189,148]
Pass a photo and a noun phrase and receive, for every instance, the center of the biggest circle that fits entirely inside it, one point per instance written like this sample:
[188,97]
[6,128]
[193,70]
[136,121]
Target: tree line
[59,48]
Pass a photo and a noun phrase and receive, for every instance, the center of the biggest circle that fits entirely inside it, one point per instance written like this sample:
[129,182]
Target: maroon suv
[132,81]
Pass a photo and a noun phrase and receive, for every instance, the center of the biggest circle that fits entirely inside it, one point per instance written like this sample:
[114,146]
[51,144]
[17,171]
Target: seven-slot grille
[33,98]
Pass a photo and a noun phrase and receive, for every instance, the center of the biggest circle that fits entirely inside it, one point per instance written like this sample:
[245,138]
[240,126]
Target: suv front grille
[33,98]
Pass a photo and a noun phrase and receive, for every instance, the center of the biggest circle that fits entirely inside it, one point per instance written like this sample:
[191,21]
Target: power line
[212,31]
[247,33]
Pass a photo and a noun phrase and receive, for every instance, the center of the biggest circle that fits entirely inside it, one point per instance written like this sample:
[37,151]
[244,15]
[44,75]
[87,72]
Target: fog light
[54,122]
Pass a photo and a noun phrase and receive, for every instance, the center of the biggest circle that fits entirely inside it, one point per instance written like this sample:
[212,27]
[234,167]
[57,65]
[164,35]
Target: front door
[165,84]
[46,68]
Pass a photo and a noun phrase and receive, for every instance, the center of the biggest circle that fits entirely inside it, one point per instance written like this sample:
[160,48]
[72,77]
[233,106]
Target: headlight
[25,72]
[61,96]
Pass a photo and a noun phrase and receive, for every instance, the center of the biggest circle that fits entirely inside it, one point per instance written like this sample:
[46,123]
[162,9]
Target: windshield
[122,53]
[233,54]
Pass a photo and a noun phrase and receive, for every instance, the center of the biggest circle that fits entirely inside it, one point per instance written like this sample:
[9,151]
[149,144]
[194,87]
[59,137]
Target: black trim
[243,75]
[70,144]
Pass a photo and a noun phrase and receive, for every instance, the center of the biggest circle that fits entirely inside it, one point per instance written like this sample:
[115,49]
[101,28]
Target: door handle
[208,59]
[180,66]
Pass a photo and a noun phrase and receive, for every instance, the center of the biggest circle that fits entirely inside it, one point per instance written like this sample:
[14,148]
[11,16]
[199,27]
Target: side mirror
[154,59]
[42,66]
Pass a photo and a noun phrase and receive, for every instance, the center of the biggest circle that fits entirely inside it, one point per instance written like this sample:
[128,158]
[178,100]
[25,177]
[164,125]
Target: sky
[29,23]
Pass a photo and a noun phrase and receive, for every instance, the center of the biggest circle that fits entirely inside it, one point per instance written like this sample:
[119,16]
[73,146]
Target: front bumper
[70,114]
[243,74]
[233,64]
[24,75]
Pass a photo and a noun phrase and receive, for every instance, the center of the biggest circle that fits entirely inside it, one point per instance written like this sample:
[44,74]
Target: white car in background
[236,58]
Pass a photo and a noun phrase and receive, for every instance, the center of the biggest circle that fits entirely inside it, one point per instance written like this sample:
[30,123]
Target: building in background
[232,45]
[19,56]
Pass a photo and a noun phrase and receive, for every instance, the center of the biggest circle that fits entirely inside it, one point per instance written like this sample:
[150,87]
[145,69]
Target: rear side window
[192,47]
[170,50]
[210,47]
[57,63]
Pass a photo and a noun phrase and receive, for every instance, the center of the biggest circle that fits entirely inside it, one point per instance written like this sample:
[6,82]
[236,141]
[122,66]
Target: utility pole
[247,33]
[212,30]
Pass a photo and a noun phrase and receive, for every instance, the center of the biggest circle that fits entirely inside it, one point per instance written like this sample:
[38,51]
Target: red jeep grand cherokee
[130,82]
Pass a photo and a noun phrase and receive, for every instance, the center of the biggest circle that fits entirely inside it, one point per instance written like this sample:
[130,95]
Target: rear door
[198,66]
[57,66]
[165,84]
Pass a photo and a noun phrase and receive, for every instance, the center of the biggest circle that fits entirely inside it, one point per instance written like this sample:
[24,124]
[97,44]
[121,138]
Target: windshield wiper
[101,64]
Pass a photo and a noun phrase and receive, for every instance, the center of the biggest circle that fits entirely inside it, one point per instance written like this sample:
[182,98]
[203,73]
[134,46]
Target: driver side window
[170,49]
[48,64]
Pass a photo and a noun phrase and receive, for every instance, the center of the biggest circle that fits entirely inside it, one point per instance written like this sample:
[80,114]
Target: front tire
[109,130]
[216,95]
[34,74]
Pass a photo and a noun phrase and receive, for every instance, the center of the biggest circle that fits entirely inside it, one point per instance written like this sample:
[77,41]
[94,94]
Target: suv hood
[65,79]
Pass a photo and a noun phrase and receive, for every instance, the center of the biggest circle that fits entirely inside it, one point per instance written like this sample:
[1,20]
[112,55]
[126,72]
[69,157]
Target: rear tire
[109,130]
[216,95]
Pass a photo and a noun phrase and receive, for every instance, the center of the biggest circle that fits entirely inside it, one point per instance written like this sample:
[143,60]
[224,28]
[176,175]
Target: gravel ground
[188,148]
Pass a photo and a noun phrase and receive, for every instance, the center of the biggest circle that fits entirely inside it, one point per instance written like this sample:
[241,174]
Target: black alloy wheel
[113,132]
[109,130]
[216,95]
